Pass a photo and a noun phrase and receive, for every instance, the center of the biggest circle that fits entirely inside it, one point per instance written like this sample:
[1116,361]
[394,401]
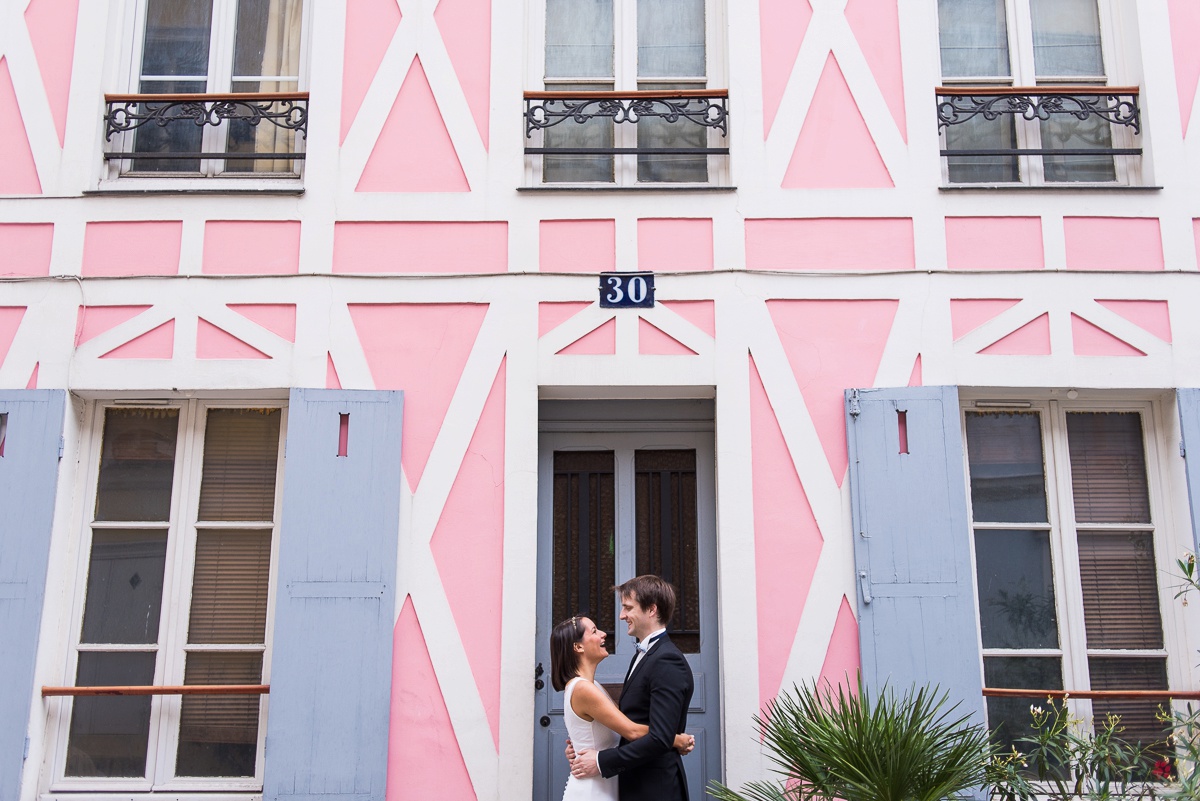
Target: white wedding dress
[587,736]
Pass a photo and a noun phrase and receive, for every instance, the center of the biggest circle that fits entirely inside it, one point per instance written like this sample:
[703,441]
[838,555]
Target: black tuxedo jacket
[657,694]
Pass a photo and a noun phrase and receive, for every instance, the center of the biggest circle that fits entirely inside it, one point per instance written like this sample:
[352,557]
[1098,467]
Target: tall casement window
[1042,70]
[174,589]
[218,86]
[1070,559]
[628,46]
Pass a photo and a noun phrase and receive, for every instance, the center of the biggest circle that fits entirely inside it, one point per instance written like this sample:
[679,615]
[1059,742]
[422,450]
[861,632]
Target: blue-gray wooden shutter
[28,485]
[912,550]
[1189,421]
[331,658]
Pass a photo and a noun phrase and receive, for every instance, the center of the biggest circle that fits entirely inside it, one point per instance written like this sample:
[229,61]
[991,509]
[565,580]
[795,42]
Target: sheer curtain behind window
[579,56]
[670,44]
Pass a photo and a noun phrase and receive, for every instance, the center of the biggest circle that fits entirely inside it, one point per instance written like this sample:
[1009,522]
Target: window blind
[1120,590]
[1108,467]
[229,587]
[240,459]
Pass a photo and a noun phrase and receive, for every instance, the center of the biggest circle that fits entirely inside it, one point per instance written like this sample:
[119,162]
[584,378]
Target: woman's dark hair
[564,659]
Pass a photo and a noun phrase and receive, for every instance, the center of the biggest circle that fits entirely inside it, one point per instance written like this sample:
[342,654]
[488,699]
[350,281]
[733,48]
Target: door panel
[612,506]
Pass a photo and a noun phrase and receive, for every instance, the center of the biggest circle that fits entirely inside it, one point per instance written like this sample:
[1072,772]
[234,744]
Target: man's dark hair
[650,591]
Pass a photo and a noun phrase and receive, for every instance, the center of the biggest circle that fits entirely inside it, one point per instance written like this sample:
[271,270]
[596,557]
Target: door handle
[544,720]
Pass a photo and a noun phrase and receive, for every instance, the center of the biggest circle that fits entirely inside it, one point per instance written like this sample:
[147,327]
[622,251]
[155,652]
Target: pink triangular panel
[414,158]
[832,345]
[370,26]
[1185,32]
[842,658]
[92,321]
[331,377]
[424,759]
[782,27]
[1031,339]
[835,149]
[278,318]
[19,176]
[51,25]
[967,315]
[33,377]
[876,26]
[600,341]
[1153,316]
[552,315]
[217,343]
[700,313]
[787,540]
[1091,340]
[914,378]
[653,341]
[421,349]
[10,321]
[468,547]
[157,343]
[466,27]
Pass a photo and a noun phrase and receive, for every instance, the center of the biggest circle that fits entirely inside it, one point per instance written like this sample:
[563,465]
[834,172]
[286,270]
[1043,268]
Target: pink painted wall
[251,247]
[653,341]
[26,248]
[825,244]
[783,24]
[994,243]
[1153,316]
[131,248]
[19,176]
[157,343]
[876,26]
[468,547]
[370,26]
[466,28]
[1091,340]
[552,315]
[10,321]
[51,26]
[842,658]
[577,246]
[414,158]
[1113,243]
[1031,339]
[675,244]
[968,314]
[213,342]
[278,318]
[1185,32]
[700,313]
[420,247]
[600,341]
[92,321]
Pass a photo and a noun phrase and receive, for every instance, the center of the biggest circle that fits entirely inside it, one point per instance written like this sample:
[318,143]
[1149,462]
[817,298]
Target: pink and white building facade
[318,393]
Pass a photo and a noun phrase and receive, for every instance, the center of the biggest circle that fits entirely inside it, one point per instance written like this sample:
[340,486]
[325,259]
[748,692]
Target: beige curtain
[281,56]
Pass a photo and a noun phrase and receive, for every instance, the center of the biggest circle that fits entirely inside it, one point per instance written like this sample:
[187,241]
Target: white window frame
[172,645]
[117,174]
[625,78]
[1064,553]
[1115,49]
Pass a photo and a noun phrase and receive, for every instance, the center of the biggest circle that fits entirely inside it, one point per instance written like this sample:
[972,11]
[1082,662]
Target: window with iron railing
[218,92]
[627,98]
[1067,555]
[1028,96]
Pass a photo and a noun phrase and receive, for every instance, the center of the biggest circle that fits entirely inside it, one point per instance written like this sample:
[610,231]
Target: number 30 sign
[626,290]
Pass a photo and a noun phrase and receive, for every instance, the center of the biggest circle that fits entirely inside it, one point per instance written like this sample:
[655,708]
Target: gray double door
[612,505]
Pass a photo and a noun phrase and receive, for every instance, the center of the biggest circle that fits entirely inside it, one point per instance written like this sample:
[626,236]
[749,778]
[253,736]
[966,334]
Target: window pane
[584,531]
[1006,467]
[1120,590]
[1010,718]
[594,133]
[1108,467]
[124,586]
[1016,589]
[979,133]
[218,734]
[109,734]
[1065,131]
[241,454]
[579,39]
[670,38]
[1066,38]
[974,38]
[667,536]
[1139,718]
[137,463]
[177,38]
[657,132]
[267,42]
[229,591]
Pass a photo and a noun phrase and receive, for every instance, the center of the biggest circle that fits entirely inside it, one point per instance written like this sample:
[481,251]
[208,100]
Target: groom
[657,692]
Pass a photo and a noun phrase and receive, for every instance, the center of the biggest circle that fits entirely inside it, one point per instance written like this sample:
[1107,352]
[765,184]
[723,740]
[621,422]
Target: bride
[593,720]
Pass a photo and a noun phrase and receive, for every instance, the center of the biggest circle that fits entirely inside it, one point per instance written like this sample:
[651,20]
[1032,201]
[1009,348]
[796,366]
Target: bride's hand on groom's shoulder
[569,751]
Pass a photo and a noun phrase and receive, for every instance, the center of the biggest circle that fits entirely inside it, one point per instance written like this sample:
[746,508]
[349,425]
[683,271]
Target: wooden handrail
[1093,695]
[183,98]
[1002,91]
[654,94]
[190,689]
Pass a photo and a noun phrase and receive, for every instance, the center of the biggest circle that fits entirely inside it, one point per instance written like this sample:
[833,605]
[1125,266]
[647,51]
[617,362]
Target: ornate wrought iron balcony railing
[702,108]
[1117,105]
[286,111]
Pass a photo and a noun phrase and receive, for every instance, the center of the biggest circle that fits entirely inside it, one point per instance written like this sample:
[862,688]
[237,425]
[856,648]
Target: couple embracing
[630,753]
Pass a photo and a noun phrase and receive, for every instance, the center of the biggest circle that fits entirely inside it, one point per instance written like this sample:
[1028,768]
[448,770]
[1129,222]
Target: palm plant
[863,746]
